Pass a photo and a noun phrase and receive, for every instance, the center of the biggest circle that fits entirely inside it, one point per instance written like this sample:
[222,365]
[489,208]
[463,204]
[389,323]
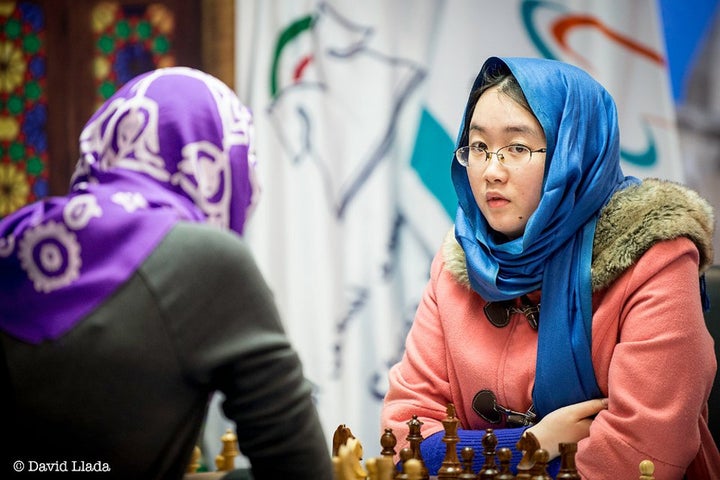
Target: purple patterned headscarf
[171,145]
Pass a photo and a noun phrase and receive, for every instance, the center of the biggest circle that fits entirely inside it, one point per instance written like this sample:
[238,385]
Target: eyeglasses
[514,155]
[485,404]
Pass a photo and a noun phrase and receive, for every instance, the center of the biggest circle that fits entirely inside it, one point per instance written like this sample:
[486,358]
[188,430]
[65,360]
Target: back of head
[185,132]
[171,145]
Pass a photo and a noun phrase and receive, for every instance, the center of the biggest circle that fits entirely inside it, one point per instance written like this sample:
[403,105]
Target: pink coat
[652,354]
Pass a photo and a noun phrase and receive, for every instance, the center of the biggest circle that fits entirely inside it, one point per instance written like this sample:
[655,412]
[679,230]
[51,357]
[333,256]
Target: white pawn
[386,468]
[647,470]
[371,466]
[413,469]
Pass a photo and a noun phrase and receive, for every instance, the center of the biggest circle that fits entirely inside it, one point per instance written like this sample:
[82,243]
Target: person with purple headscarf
[568,299]
[127,303]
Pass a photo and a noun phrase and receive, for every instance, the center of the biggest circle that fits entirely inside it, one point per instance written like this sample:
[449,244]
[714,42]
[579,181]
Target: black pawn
[388,442]
[467,455]
[504,456]
[405,454]
[489,470]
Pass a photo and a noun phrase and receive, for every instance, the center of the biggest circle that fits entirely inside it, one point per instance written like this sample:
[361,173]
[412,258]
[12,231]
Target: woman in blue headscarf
[127,302]
[568,300]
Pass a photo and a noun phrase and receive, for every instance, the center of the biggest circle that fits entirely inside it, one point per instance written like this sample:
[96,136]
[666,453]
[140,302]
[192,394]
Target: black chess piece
[450,468]
[568,471]
[489,469]
[415,438]
[467,455]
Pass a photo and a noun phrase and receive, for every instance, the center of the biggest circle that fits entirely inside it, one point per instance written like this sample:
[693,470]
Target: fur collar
[633,220]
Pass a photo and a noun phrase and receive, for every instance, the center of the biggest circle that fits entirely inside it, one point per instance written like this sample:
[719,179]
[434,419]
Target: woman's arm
[660,370]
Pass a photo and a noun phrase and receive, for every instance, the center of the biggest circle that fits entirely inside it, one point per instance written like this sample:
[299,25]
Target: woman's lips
[495,200]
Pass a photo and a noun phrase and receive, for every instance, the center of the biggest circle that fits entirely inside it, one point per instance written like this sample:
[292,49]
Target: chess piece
[388,442]
[541,457]
[194,464]
[371,466]
[504,457]
[467,455]
[386,468]
[225,461]
[350,455]
[415,439]
[340,437]
[528,444]
[489,469]
[405,455]
[337,469]
[413,469]
[647,470]
[568,470]
[450,467]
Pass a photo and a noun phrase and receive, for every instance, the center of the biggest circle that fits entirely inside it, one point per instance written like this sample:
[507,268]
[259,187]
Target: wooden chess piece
[225,461]
[489,469]
[388,442]
[568,470]
[340,437]
[386,461]
[528,444]
[194,464]
[504,455]
[647,470]
[350,455]
[450,467]
[386,468]
[413,469]
[541,457]
[415,438]
[337,469]
[371,465]
[405,455]
[467,455]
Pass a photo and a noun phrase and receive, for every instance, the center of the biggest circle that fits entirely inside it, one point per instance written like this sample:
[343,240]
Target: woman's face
[507,195]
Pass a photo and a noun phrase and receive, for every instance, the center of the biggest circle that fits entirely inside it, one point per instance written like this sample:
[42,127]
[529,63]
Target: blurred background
[357,106]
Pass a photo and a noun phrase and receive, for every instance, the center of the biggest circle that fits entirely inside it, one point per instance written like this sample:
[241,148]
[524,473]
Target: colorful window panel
[23,105]
[129,40]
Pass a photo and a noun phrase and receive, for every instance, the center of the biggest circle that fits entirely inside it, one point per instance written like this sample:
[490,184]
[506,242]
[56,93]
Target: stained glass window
[23,105]
[129,40]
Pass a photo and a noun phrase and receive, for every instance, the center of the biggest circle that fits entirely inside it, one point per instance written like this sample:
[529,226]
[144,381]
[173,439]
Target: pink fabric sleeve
[419,384]
[660,370]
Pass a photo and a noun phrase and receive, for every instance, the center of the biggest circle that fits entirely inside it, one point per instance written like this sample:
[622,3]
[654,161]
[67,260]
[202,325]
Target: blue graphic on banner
[431,158]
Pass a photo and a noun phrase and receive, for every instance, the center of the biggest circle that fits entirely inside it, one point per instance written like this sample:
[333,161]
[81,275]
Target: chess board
[347,455]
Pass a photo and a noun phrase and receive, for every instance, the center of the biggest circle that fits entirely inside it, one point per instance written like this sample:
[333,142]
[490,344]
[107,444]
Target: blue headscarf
[582,171]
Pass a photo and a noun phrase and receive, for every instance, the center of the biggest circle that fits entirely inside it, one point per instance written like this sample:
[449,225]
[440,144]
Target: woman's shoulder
[451,258]
[634,220]
[642,215]
[197,247]
[198,238]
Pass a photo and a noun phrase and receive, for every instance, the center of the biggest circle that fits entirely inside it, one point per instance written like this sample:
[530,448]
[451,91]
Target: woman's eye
[518,149]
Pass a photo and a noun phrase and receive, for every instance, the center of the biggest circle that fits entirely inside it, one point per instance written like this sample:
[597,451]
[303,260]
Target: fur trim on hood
[633,220]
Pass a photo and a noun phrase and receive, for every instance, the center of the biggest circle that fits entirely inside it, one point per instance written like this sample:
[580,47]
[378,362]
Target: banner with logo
[357,106]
